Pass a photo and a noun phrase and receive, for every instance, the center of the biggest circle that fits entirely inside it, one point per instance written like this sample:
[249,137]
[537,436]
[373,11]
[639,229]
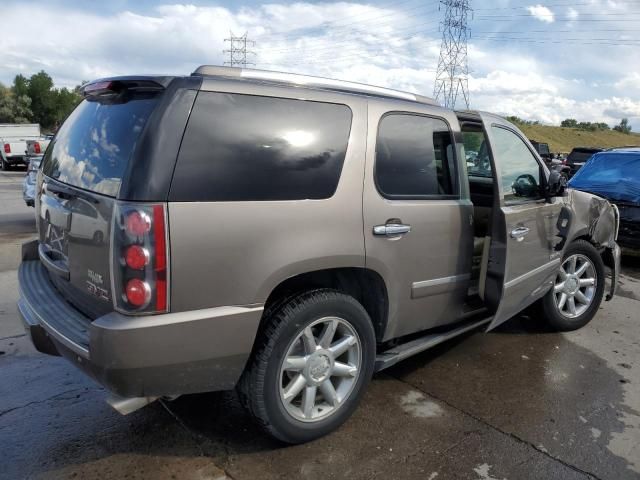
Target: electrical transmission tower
[452,76]
[238,50]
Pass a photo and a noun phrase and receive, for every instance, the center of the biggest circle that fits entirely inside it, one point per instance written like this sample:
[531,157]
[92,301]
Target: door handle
[519,233]
[391,229]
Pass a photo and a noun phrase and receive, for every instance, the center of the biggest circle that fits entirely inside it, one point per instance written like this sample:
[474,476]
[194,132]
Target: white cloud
[541,13]
[360,42]
[629,83]
[572,13]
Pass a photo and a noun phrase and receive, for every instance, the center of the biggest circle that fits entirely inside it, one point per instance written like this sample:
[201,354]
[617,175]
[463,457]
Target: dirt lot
[517,403]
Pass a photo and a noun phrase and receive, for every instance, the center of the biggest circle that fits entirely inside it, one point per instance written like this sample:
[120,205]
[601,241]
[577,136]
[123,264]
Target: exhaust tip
[125,406]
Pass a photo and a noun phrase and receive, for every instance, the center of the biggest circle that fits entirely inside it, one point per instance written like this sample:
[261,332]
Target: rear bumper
[171,354]
[16,160]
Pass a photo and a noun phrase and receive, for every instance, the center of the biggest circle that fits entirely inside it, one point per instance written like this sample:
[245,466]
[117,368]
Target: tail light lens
[140,258]
[7,148]
[36,147]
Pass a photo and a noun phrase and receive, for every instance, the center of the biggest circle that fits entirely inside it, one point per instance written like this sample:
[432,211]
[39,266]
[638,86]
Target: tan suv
[288,236]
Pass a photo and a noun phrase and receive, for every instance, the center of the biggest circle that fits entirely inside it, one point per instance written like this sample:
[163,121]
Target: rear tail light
[140,258]
[7,148]
[36,147]
[138,292]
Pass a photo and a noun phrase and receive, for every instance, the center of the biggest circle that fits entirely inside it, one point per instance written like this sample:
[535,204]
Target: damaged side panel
[588,216]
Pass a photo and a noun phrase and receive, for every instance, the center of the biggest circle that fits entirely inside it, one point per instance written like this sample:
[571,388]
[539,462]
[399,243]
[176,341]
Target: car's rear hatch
[579,156]
[82,172]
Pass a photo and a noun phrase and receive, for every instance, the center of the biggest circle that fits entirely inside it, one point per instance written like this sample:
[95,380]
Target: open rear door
[521,261]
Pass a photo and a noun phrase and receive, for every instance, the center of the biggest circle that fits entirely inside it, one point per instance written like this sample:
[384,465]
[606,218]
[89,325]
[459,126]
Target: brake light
[140,263]
[137,223]
[7,148]
[36,147]
[136,257]
[160,257]
[138,292]
[99,88]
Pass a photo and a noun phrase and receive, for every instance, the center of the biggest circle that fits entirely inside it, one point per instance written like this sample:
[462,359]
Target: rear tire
[320,344]
[5,165]
[578,288]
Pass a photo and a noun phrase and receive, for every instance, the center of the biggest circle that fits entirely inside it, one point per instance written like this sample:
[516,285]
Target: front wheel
[578,288]
[311,365]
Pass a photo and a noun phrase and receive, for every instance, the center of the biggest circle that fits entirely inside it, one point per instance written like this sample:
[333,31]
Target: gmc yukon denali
[288,236]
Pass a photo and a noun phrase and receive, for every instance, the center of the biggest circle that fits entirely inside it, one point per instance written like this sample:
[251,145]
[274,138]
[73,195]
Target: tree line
[36,100]
[623,126]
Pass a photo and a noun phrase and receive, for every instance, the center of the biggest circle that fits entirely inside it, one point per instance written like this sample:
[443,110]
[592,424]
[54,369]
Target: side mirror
[556,184]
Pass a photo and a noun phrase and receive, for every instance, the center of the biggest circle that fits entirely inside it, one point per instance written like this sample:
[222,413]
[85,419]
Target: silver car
[29,182]
[288,236]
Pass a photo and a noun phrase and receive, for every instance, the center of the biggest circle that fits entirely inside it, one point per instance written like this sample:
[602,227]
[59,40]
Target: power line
[452,76]
[238,50]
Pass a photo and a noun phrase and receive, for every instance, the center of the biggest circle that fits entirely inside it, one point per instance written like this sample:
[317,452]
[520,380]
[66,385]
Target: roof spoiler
[309,81]
[105,87]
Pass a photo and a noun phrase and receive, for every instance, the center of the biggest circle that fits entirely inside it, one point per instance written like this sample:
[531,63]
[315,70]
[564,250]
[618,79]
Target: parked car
[29,182]
[13,143]
[552,161]
[288,235]
[615,175]
[579,156]
[36,147]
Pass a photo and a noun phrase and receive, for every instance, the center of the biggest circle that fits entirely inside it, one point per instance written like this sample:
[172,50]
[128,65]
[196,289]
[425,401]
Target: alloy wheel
[320,369]
[575,286]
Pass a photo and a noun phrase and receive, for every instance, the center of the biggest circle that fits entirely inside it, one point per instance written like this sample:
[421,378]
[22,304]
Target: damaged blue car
[615,175]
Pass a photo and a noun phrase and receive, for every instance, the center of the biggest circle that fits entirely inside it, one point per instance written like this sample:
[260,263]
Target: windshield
[93,147]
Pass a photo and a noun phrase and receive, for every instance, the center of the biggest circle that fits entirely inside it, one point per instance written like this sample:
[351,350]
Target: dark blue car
[615,175]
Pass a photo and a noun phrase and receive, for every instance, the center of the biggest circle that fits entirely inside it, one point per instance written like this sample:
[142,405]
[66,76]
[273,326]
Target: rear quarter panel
[236,253]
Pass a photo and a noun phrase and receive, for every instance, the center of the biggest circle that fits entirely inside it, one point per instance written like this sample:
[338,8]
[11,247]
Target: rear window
[414,157]
[244,147]
[94,145]
[580,155]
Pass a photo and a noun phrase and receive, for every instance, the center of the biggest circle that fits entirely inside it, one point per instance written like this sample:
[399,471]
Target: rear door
[417,224]
[77,188]
[524,256]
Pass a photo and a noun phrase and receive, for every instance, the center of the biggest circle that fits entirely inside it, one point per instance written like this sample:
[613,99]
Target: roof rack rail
[310,81]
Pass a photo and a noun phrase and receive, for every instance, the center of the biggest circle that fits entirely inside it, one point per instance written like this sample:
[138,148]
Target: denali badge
[96,291]
[94,277]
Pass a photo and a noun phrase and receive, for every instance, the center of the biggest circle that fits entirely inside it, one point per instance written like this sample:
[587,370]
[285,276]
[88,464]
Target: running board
[406,350]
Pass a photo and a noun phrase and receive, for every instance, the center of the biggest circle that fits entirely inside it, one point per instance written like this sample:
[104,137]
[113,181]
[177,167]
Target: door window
[519,168]
[414,157]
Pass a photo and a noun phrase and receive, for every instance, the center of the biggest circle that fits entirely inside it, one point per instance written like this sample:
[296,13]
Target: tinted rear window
[414,157]
[245,147]
[580,155]
[94,145]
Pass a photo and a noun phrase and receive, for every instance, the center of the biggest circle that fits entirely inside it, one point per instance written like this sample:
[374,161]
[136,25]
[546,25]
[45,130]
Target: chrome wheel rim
[320,369]
[575,286]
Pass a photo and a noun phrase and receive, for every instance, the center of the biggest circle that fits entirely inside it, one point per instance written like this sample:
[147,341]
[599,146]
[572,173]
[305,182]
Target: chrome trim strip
[426,288]
[553,264]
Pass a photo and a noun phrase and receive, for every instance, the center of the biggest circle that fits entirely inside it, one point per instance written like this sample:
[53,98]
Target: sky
[544,61]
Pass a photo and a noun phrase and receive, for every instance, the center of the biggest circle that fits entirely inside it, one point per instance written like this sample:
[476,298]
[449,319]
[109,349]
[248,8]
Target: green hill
[562,139]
